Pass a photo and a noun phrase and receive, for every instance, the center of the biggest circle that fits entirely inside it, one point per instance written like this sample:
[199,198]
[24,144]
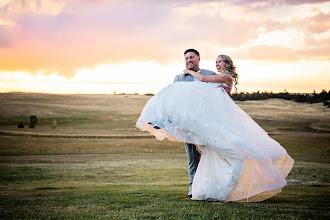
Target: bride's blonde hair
[230,68]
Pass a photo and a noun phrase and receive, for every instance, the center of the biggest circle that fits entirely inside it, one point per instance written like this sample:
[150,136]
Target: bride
[239,161]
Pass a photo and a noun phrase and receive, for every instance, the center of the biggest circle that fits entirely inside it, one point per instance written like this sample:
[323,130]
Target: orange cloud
[315,24]
[52,7]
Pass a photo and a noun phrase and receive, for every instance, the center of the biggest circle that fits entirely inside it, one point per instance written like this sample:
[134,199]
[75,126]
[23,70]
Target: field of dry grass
[117,114]
[96,164]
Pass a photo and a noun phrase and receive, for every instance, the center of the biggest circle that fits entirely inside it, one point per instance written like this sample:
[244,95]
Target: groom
[192,63]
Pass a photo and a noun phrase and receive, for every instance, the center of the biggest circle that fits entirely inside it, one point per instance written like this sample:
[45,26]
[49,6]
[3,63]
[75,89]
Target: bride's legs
[193,160]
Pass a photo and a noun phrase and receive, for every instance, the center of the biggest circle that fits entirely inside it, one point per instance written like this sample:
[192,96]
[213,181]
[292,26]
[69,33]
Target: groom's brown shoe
[188,197]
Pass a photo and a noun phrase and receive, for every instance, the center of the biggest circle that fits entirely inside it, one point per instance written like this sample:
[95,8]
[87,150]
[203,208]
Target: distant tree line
[323,96]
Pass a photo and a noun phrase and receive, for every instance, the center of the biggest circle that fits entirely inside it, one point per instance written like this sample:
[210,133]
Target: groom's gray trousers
[193,160]
[192,153]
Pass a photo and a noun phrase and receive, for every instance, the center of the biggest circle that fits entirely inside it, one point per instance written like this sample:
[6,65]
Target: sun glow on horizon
[149,77]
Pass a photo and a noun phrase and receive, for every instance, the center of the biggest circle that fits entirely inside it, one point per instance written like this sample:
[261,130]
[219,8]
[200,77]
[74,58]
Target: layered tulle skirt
[239,161]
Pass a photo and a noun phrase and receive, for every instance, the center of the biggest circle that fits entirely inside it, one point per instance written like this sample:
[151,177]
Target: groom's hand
[226,89]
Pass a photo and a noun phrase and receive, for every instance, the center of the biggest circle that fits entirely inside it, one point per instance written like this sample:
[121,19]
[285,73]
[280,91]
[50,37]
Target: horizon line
[148,93]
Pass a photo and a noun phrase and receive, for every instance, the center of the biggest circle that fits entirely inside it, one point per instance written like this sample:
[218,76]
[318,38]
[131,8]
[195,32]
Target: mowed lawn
[126,178]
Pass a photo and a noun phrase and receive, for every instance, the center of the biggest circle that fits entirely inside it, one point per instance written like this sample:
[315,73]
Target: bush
[33,121]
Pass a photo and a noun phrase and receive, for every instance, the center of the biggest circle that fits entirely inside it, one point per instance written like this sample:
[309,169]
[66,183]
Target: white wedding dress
[239,161]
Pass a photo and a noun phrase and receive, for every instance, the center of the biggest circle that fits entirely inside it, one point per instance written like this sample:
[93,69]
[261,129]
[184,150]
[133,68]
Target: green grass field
[117,174]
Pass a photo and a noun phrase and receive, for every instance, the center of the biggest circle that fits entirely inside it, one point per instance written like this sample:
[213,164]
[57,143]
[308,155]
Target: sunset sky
[101,46]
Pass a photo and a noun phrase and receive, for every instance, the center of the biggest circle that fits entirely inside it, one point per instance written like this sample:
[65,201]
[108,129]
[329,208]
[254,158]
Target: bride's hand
[186,71]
